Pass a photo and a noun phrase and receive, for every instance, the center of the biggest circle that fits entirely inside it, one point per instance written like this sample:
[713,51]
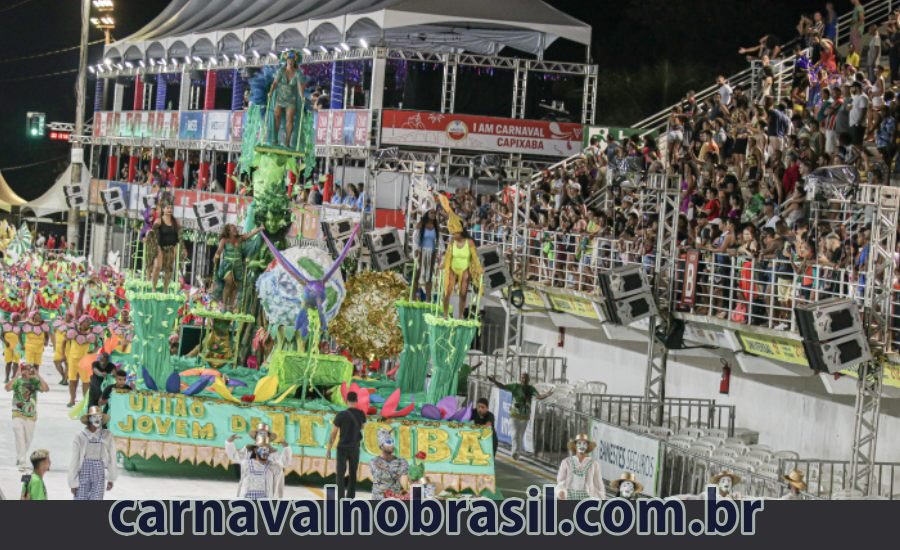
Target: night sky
[649,52]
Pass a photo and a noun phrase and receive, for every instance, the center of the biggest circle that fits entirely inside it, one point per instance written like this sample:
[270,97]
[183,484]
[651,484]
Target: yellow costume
[459,259]
[59,346]
[11,353]
[34,348]
[74,353]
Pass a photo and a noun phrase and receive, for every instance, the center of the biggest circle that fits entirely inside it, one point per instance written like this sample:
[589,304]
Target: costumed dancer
[60,327]
[461,263]
[389,472]
[427,242]
[93,455]
[579,475]
[37,336]
[627,486]
[230,260]
[11,341]
[162,244]
[262,468]
[79,340]
[286,93]
[25,388]
[122,328]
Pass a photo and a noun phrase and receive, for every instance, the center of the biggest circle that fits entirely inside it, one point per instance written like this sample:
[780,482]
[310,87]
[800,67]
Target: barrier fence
[678,413]
[831,478]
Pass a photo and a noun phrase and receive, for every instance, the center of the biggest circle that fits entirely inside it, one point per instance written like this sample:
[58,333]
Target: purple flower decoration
[447,409]
[199,385]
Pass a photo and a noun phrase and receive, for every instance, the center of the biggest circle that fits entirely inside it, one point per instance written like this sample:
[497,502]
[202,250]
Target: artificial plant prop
[414,357]
[154,315]
[449,340]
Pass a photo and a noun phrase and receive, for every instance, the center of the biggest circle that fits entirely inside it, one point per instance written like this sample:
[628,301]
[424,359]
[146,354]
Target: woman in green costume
[287,90]
[230,260]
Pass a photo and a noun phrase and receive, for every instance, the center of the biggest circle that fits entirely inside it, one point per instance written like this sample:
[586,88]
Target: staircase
[876,11]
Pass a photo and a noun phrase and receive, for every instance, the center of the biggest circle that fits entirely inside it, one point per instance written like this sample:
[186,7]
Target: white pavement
[55,432]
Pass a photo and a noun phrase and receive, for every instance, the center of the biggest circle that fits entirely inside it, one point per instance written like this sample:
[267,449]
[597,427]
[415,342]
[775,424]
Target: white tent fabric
[54,200]
[7,195]
[477,26]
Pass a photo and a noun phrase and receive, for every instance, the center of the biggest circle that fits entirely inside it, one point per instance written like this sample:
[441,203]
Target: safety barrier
[831,478]
[540,368]
[678,413]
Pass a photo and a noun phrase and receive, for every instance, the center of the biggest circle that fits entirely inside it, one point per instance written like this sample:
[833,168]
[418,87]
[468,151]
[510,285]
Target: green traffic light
[34,132]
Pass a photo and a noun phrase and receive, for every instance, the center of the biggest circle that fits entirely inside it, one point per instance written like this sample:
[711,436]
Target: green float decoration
[449,341]
[155,317]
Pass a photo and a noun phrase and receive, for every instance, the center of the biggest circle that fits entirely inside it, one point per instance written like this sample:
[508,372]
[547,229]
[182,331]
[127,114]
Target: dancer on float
[461,263]
[230,260]
[165,238]
[579,474]
[286,94]
[428,241]
[11,341]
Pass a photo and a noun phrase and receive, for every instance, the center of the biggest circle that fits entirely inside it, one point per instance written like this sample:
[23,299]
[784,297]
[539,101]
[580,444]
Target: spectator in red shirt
[791,176]
[51,242]
[712,206]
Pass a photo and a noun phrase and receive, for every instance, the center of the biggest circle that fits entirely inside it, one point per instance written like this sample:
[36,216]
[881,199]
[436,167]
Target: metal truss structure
[878,317]
[662,284]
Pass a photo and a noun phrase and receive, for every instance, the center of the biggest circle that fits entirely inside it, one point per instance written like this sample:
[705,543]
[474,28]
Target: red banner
[501,135]
[689,285]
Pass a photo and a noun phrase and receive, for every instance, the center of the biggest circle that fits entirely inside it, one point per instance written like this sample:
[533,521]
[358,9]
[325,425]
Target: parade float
[316,331]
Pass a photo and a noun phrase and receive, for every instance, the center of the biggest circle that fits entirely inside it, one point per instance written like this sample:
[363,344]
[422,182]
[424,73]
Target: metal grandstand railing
[828,478]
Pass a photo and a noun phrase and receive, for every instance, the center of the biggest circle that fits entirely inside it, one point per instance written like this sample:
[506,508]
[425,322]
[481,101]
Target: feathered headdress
[454,222]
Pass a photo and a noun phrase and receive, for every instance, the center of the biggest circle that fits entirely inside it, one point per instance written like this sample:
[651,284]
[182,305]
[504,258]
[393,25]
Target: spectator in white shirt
[860,105]
[725,94]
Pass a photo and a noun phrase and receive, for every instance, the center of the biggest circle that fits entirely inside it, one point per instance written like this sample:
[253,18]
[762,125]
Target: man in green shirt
[520,410]
[34,488]
[25,388]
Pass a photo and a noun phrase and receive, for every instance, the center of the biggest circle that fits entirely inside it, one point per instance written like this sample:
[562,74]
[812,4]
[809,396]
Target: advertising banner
[194,429]
[689,288]
[218,125]
[619,450]
[477,133]
[237,125]
[144,125]
[336,130]
[603,132]
[191,125]
[579,307]
[99,130]
[772,347]
[344,128]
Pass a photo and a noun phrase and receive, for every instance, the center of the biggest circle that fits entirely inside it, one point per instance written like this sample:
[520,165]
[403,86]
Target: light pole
[105,23]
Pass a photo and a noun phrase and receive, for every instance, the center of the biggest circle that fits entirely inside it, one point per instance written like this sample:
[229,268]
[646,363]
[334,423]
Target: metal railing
[829,478]
[678,413]
[541,369]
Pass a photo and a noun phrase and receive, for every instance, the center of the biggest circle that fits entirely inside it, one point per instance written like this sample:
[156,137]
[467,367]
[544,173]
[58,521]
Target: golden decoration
[368,325]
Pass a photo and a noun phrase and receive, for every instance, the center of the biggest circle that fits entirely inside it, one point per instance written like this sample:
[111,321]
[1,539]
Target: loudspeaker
[389,259]
[491,257]
[208,217]
[113,201]
[623,282]
[828,319]
[150,202]
[629,310]
[385,248]
[496,272]
[838,354]
[75,201]
[336,234]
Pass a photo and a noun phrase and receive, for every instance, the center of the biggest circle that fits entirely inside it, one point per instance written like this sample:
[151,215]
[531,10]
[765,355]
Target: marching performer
[262,467]
[11,341]
[37,336]
[627,486]
[60,327]
[79,340]
[93,469]
[579,475]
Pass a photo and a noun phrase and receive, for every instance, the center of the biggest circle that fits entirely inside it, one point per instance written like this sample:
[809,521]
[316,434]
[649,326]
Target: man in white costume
[579,475]
[93,455]
[262,467]
[627,486]
[796,484]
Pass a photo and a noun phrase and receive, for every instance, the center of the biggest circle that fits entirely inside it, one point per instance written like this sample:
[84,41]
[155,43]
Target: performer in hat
[725,482]
[461,263]
[627,486]
[93,469]
[262,467]
[579,475]
[389,472]
[37,336]
[795,483]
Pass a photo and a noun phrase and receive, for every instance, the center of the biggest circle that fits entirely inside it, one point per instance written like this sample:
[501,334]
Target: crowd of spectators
[743,157]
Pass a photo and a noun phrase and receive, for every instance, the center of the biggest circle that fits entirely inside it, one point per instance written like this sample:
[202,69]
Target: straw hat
[735,479]
[627,476]
[95,410]
[795,479]
[582,437]
[263,427]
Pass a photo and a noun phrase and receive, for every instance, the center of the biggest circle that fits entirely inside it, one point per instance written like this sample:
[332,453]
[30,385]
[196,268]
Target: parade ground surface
[155,480]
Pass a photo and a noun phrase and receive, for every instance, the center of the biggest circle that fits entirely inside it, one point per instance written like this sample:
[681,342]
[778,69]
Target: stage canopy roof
[206,28]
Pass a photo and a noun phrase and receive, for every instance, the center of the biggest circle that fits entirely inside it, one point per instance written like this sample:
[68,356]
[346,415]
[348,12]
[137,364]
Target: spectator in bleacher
[767,47]
[831,22]
[873,56]
[857,25]
[892,46]
[853,60]
[858,112]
